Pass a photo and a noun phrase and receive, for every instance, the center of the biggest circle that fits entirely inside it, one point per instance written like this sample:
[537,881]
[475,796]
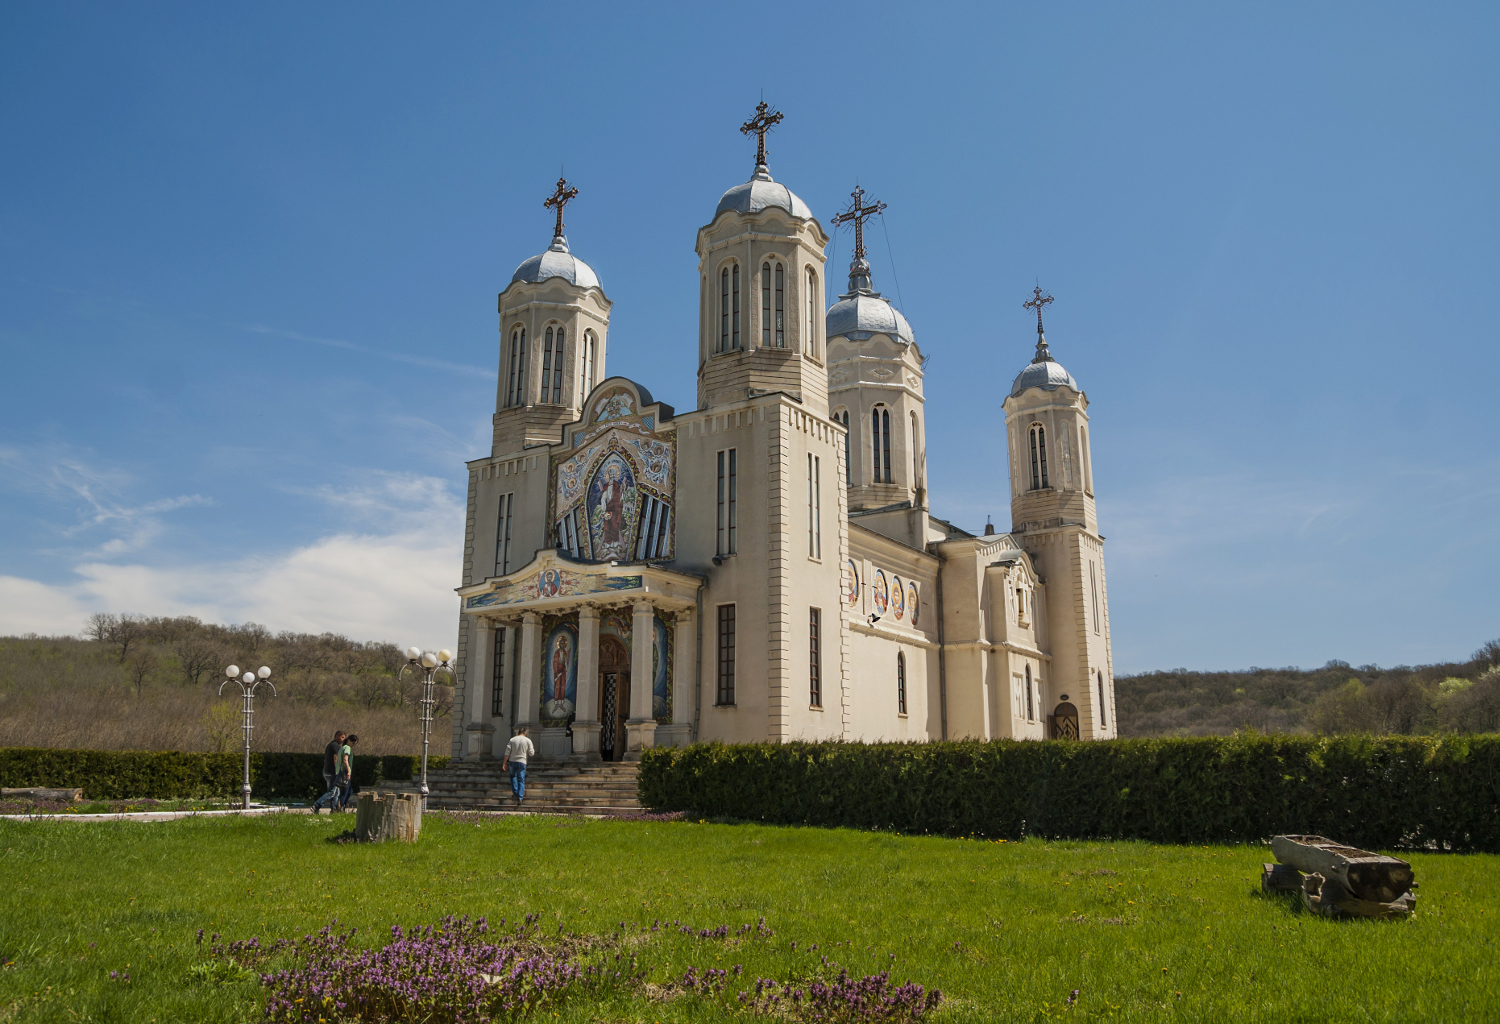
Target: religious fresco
[911,601]
[613,495]
[614,406]
[880,593]
[559,691]
[898,596]
[552,583]
[661,671]
[612,507]
[851,582]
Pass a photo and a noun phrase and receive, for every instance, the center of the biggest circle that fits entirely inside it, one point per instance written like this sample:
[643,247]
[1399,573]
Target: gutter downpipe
[942,648]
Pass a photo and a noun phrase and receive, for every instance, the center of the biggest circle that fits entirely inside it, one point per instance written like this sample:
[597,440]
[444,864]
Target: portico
[598,658]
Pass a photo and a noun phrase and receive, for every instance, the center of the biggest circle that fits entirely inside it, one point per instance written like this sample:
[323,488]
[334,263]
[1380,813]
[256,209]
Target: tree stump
[382,816]
[43,793]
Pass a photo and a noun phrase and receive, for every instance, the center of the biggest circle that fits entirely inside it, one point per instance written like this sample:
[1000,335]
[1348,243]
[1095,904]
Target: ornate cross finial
[764,120]
[858,212]
[560,198]
[1036,302]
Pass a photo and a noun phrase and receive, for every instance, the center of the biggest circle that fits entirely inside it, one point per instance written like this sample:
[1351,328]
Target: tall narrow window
[814,508]
[727,495]
[502,534]
[814,659]
[880,443]
[586,366]
[557,370]
[1103,715]
[546,365]
[1038,457]
[848,447]
[780,307]
[900,683]
[726,654]
[724,310]
[765,305]
[1094,593]
[916,461]
[497,688]
[1083,456]
[516,386]
[885,441]
[1030,710]
[734,323]
[811,328]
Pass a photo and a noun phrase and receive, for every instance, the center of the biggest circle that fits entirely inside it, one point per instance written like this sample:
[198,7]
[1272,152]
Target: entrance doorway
[1064,722]
[614,697]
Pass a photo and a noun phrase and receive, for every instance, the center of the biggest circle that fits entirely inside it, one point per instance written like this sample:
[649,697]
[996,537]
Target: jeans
[331,795]
[518,780]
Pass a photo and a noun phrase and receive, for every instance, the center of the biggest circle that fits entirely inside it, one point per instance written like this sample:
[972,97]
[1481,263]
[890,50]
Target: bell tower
[554,322]
[1053,518]
[760,268]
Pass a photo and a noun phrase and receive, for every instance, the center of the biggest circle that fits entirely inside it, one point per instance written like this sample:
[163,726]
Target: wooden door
[1064,721]
[614,697]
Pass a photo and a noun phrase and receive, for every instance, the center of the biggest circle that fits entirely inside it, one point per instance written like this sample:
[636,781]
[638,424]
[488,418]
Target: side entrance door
[614,697]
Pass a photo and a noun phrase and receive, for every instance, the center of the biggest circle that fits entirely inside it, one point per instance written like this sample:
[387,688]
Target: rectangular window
[726,654]
[1094,593]
[814,660]
[734,324]
[502,534]
[780,308]
[814,509]
[901,684]
[727,494]
[497,688]
[765,305]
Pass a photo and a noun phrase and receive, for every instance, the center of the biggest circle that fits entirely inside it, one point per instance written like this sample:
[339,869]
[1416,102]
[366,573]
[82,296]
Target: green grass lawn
[1005,930]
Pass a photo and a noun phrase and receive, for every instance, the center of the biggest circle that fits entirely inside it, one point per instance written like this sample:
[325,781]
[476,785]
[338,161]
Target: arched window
[586,366]
[1038,457]
[1030,711]
[546,365]
[734,320]
[780,307]
[916,445]
[900,683]
[765,305]
[516,382]
[810,331]
[557,371]
[1103,715]
[880,443]
[724,310]
[843,417]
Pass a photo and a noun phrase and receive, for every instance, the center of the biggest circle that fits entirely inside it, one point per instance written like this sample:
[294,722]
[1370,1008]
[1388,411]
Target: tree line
[1449,697]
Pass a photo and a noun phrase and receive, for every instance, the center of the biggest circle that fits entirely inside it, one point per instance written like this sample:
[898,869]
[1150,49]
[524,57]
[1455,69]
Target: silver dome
[859,316]
[762,193]
[1043,372]
[557,261]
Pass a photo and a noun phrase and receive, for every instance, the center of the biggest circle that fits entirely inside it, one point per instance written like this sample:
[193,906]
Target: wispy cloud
[461,369]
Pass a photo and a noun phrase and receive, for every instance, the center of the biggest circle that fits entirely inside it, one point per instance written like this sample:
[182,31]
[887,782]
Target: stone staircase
[551,788]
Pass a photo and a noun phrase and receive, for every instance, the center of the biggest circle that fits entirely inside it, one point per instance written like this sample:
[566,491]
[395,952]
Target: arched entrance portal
[1064,722]
[614,697]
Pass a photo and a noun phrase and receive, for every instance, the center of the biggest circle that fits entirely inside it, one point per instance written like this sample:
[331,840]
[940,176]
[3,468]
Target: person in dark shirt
[332,790]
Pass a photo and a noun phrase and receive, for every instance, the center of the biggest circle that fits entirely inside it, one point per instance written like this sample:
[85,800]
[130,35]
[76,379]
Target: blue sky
[249,258]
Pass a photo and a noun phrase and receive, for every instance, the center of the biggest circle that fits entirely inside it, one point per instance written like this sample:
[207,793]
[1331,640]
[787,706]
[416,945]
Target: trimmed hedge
[1378,793]
[163,775]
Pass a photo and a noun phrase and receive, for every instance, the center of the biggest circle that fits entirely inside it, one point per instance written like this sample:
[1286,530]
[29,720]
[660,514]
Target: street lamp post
[248,684]
[429,663]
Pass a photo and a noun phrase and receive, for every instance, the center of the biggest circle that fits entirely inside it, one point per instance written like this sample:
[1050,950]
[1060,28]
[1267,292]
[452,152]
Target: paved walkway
[151,815]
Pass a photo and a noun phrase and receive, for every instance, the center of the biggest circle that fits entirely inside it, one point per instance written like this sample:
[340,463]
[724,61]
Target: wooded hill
[1460,696]
[151,683]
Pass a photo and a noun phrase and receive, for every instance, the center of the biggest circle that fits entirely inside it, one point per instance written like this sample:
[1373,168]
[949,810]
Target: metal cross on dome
[1036,302]
[764,120]
[858,212]
[560,198]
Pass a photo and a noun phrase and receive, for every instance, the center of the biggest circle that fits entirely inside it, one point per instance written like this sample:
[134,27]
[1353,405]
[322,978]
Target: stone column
[684,680]
[479,741]
[640,727]
[586,710]
[528,693]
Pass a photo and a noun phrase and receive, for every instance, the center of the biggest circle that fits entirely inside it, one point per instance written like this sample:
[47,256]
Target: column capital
[588,610]
[531,618]
[643,606]
[684,615]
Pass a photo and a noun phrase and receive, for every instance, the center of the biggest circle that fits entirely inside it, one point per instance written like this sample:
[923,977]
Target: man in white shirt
[517,751]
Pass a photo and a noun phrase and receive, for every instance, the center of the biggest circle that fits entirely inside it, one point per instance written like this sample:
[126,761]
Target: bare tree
[139,666]
[100,627]
[197,655]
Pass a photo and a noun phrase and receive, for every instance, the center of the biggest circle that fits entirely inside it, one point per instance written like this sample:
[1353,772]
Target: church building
[765,567]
